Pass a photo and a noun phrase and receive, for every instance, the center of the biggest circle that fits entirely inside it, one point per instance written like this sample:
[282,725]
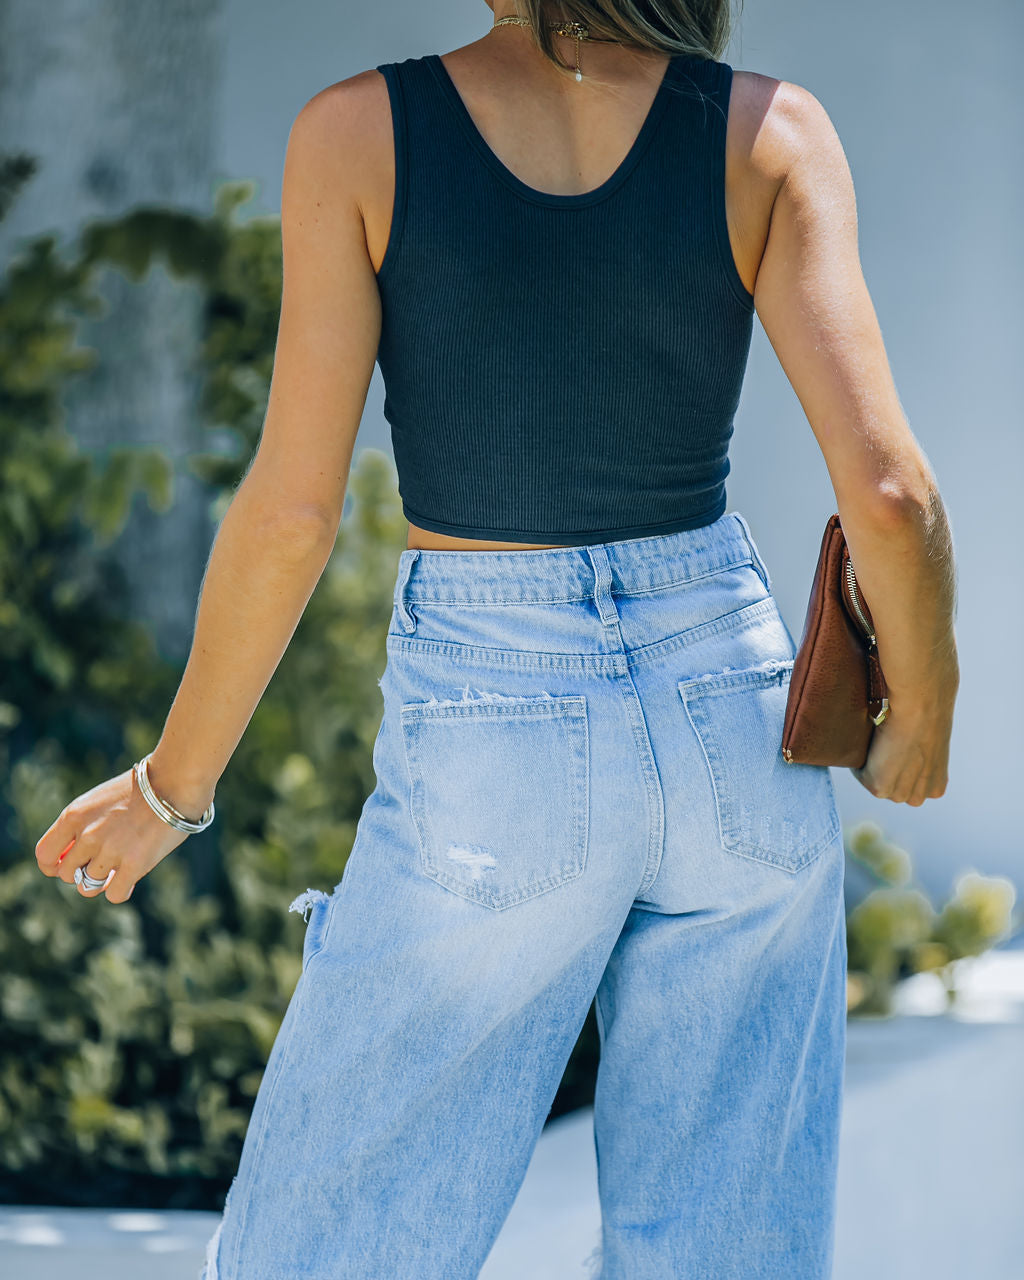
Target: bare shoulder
[340,135]
[783,127]
[340,111]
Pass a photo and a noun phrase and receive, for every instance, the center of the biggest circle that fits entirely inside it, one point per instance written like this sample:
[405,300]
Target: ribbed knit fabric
[561,368]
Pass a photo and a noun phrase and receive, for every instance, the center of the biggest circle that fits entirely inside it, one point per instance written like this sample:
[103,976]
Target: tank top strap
[428,130]
[689,153]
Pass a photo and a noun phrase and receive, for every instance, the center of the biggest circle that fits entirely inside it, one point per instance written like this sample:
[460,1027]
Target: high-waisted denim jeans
[580,792]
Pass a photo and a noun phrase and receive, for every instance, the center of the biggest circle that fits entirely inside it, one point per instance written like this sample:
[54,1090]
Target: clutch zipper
[851,583]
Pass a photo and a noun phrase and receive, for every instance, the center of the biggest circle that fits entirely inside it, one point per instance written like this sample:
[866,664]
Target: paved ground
[930,1188]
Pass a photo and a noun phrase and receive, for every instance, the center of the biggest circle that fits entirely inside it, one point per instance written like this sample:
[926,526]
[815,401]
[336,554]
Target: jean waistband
[577,572]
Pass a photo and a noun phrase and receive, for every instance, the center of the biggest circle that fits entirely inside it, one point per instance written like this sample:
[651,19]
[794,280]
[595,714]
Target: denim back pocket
[772,811]
[500,794]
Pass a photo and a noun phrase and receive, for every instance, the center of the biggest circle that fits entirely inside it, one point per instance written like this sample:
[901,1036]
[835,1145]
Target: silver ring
[84,878]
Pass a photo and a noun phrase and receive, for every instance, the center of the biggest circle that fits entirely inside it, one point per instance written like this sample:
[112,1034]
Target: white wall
[925,96]
[115,99]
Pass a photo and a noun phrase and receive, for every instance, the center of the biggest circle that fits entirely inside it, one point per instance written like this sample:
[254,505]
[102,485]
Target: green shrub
[895,931]
[135,1035]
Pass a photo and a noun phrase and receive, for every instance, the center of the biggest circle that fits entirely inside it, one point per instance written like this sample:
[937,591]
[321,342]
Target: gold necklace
[578,30]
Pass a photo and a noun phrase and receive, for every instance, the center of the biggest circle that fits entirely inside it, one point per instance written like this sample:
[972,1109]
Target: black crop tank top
[561,368]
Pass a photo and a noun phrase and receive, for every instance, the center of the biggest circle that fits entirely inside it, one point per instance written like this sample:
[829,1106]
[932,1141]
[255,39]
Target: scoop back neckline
[565,200]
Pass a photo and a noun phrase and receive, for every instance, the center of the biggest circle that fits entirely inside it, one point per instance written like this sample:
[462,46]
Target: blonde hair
[698,28]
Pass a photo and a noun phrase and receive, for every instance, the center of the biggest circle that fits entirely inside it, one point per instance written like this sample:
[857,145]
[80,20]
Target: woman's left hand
[111,833]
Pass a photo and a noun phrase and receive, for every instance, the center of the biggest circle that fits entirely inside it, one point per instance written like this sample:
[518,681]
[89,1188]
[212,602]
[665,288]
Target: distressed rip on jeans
[473,856]
[305,902]
[483,695]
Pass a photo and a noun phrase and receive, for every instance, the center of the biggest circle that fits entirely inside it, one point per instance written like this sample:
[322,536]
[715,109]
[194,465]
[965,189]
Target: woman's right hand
[908,760]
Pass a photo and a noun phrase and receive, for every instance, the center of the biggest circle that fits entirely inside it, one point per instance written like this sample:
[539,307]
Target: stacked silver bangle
[165,810]
[162,808]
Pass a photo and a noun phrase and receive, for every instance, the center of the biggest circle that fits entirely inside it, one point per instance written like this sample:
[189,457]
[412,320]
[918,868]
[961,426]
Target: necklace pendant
[579,76]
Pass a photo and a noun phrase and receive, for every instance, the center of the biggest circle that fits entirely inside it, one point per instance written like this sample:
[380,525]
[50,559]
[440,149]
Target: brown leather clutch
[837,692]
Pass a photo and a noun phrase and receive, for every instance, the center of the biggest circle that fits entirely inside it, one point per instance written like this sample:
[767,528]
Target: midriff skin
[427,540]
[534,154]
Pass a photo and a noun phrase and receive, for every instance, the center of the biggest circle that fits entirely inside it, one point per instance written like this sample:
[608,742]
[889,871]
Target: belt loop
[405,563]
[603,584]
[755,555]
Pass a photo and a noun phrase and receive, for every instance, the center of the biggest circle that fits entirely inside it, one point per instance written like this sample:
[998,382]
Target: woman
[554,241]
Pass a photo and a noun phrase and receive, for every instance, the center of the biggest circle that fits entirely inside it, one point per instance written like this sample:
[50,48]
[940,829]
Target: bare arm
[278,533]
[813,302]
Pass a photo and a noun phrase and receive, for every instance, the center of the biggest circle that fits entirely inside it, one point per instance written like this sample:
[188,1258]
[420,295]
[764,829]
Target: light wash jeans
[580,791]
